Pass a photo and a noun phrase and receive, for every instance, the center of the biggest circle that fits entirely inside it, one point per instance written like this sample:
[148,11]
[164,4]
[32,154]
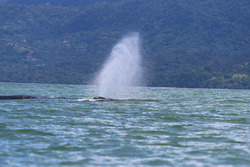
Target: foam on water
[122,68]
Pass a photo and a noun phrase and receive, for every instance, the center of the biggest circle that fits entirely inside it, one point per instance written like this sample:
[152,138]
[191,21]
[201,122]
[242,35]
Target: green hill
[185,43]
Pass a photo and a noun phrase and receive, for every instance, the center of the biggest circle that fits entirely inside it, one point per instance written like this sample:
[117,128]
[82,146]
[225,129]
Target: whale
[10,97]
[100,98]
[17,97]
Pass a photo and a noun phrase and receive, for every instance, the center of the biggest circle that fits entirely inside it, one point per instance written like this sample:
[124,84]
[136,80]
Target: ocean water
[147,127]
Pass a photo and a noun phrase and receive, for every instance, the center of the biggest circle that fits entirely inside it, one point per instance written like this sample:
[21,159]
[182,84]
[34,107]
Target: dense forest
[194,44]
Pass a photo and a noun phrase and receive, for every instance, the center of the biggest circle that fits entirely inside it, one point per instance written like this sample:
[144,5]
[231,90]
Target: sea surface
[145,127]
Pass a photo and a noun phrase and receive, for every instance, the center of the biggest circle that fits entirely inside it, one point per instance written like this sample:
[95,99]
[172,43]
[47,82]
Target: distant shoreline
[132,86]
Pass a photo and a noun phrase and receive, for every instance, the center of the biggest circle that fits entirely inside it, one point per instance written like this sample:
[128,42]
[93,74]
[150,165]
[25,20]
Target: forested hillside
[184,43]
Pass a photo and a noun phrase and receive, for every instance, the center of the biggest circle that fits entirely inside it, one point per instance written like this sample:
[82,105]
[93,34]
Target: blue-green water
[161,127]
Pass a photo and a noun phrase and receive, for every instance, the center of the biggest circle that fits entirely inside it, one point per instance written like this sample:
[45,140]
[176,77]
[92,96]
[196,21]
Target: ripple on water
[185,127]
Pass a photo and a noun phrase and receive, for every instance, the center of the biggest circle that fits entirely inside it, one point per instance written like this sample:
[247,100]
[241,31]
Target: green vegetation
[197,44]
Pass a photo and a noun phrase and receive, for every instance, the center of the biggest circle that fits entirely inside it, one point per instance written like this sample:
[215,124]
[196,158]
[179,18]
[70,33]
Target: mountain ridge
[184,43]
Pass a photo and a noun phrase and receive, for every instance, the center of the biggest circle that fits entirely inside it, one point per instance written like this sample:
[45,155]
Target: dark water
[161,127]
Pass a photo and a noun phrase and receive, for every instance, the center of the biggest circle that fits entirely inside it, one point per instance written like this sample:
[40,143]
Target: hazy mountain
[185,43]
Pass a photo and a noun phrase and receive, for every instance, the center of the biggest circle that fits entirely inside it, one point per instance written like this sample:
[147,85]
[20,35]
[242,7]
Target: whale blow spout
[122,68]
